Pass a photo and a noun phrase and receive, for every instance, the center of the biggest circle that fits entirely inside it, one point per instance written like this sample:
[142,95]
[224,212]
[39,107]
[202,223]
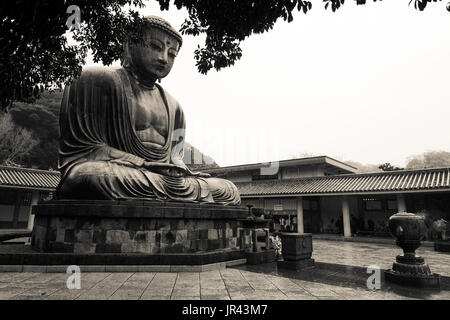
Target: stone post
[34,200]
[346,217]
[401,204]
[300,228]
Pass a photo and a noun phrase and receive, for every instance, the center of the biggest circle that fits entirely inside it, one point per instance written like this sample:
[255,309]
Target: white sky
[366,83]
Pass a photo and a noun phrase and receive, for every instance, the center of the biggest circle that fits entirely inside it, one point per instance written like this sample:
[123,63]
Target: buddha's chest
[150,112]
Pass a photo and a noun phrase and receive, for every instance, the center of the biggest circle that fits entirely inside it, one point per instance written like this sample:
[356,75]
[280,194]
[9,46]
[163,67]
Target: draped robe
[101,156]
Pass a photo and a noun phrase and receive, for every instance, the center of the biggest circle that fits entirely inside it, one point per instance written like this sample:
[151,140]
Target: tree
[15,142]
[363,168]
[388,167]
[429,159]
[304,155]
[36,55]
[42,121]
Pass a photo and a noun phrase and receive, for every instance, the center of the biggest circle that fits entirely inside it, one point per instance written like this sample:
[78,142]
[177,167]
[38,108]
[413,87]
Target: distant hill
[196,160]
[42,119]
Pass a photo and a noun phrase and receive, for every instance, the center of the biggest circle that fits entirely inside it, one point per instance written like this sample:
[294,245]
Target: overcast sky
[366,83]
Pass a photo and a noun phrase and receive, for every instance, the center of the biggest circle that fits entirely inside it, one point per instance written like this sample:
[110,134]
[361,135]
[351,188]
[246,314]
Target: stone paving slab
[340,274]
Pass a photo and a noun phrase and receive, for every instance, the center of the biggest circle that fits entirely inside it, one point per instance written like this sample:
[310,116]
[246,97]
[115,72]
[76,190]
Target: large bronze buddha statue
[122,134]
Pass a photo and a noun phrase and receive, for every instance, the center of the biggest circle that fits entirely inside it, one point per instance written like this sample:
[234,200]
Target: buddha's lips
[160,67]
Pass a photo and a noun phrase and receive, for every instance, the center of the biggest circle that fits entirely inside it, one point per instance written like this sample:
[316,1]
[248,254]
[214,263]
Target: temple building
[20,188]
[324,195]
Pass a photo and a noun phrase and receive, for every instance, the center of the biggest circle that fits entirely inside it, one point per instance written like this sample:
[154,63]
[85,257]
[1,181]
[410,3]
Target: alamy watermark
[374,280]
[74,20]
[74,280]
[262,144]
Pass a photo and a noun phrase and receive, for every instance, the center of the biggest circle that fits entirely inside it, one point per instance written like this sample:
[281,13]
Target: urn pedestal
[410,269]
[137,232]
[296,249]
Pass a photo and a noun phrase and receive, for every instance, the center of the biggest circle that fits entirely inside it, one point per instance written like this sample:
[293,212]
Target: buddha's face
[156,55]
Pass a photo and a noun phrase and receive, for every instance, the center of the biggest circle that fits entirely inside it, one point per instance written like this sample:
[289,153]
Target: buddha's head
[154,56]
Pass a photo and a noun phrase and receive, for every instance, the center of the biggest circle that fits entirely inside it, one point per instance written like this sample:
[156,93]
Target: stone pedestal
[161,230]
[296,265]
[253,251]
[260,257]
[296,249]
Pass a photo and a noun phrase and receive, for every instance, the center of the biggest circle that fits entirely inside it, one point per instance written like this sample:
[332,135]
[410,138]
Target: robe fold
[101,156]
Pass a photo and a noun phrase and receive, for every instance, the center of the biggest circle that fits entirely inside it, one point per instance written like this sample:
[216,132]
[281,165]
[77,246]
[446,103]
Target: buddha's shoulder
[100,74]
[171,99]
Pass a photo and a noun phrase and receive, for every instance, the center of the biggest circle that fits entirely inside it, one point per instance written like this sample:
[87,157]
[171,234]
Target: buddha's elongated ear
[125,59]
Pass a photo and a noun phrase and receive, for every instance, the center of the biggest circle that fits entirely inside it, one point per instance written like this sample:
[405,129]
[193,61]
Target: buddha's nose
[163,58]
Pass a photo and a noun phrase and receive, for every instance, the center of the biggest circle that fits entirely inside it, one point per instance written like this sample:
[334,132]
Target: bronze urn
[409,229]
[410,269]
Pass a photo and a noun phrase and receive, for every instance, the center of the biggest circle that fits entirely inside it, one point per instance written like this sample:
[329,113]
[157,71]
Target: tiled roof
[392,181]
[28,178]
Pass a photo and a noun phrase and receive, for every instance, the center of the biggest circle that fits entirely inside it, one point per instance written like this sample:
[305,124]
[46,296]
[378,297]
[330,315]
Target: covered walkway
[352,203]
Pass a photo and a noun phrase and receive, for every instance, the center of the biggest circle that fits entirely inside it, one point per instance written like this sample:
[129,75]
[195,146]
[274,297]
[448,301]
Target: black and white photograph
[224,158]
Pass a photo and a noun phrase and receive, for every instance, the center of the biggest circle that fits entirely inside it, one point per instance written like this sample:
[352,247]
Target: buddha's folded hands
[175,170]
[168,169]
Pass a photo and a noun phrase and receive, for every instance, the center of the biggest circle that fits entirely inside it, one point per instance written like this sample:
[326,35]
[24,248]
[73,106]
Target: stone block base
[296,265]
[413,280]
[123,268]
[136,227]
[259,257]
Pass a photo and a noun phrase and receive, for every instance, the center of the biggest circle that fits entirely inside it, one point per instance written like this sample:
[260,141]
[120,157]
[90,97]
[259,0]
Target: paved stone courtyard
[340,273]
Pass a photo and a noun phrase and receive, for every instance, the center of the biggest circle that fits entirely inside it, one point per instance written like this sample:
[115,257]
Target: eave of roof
[26,178]
[421,180]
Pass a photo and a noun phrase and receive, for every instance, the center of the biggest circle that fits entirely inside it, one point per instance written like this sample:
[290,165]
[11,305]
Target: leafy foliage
[227,23]
[364,168]
[35,52]
[41,119]
[421,4]
[15,141]
[388,167]
[429,159]
[36,55]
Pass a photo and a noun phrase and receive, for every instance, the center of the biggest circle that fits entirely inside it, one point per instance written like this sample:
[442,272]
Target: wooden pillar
[261,203]
[346,217]
[300,228]
[34,200]
[401,204]
[18,203]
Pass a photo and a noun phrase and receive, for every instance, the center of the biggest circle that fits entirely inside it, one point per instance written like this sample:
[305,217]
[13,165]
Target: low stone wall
[150,227]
